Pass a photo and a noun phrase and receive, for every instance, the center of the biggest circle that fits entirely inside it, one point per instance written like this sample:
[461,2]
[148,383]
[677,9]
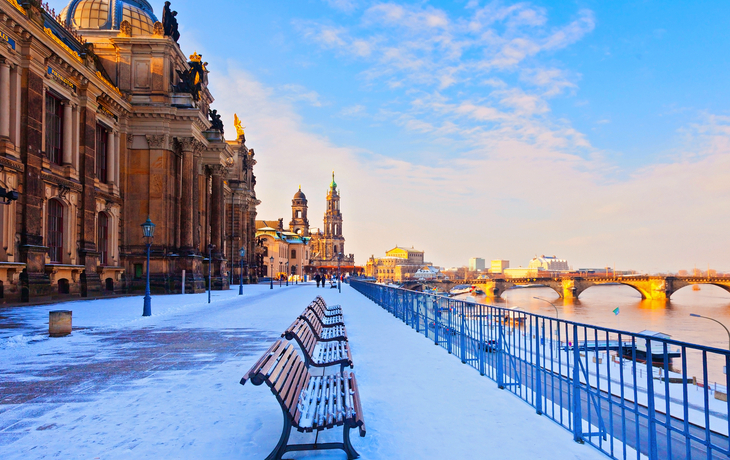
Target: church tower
[299,223]
[334,241]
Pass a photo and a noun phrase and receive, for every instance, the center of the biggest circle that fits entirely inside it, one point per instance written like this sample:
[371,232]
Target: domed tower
[107,15]
[334,241]
[299,223]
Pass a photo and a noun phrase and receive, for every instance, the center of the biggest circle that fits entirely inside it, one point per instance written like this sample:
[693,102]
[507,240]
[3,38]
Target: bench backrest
[284,372]
[318,309]
[302,332]
[314,320]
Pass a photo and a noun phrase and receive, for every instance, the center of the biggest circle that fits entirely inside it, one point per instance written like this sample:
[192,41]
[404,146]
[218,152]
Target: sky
[598,132]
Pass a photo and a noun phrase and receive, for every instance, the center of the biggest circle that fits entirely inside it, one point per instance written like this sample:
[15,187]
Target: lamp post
[280,265]
[718,322]
[241,255]
[287,272]
[148,230]
[339,283]
[271,275]
[557,315]
[210,269]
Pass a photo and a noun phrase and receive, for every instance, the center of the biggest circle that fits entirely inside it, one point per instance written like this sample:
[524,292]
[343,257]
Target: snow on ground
[123,386]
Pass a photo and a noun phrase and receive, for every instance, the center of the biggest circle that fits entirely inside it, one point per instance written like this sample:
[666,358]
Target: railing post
[461,334]
[650,409]
[482,344]
[419,298]
[436,320]
[500,351]
[449,333]
[577,408]
[538,369]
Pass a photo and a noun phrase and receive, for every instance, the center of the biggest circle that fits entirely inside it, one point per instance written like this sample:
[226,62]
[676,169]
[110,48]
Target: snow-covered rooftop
[166,386]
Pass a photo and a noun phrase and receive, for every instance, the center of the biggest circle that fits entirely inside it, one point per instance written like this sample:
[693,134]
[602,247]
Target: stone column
[216,209]
[186,205]
[67,133]
[16,88]
[117,158]
[197,212]
[4,99]
[111,158]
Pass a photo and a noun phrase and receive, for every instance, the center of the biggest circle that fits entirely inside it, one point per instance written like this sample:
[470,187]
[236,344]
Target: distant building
[521,272]
[549,263]
[289,250]
[428,273]
[398,265]
[476,264]
[499,265]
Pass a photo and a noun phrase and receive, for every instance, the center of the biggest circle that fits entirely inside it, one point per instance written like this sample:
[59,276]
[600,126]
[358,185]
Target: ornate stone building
[327,244]
[280,252]
[104,122]
[398,265]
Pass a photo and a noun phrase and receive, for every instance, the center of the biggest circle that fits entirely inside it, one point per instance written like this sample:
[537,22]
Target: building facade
[104,122]
[549,263]
[280,253]
[476,264]
[398,265]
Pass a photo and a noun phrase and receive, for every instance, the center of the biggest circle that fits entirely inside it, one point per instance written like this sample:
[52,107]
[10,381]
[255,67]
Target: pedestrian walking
[317,278]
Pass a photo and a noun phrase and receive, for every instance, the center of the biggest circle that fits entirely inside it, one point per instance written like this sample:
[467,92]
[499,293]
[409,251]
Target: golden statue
[239,128]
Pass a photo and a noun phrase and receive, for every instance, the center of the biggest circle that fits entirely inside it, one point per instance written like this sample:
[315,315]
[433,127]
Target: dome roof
[299,195]
[109,14]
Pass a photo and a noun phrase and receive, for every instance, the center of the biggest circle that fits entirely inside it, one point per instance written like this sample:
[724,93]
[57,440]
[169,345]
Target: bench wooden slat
[268,356]
[359,420]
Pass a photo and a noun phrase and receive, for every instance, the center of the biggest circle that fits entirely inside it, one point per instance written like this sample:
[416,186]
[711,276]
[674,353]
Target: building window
[102,138]
[54,129]
[293,253]
[103,238]
[299,214]
[55,231]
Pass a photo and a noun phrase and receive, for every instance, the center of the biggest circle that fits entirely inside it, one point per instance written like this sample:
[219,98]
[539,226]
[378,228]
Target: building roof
[299,195]
[109,14]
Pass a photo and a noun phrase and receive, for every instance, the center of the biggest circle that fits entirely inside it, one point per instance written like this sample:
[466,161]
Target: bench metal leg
[347,446]
[280,448]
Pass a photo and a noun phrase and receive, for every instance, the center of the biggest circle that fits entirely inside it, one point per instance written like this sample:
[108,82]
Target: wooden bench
[318,353]
[309,403]
[324,332]
[327,320]
[333,309]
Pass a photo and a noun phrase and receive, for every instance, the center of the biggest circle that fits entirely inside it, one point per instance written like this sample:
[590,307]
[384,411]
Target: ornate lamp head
[242,252]
[148,229]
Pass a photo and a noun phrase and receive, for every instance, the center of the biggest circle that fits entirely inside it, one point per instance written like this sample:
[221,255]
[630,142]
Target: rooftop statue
[239,129]
[216,123]
[169,22]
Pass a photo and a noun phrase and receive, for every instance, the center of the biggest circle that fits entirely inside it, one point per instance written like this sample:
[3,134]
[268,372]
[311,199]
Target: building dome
[109,14]
[299,195]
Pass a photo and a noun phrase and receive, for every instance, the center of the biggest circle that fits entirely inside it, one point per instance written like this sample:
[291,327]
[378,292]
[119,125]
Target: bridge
[571,287]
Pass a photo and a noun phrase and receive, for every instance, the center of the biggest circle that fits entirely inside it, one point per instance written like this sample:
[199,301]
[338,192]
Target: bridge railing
[627,394]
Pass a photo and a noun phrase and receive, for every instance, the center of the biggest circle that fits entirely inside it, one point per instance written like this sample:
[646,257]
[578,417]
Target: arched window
[54,129]
[102,238]
[299,214]
[55,231]
[334,248]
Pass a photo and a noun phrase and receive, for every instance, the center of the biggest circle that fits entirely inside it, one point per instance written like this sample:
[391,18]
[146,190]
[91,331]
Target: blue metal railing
[629,395]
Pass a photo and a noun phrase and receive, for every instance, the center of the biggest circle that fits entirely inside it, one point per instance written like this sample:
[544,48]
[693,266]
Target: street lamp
[148,230]
[718,322]
[271,274]
[287,272]
[241,255]
[210,269]
[339,283]
[557,315]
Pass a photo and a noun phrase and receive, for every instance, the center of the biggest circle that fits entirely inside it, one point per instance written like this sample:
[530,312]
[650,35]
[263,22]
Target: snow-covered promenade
[123,386]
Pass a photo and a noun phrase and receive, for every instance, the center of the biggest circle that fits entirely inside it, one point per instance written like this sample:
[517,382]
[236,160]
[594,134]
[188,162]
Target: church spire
[333,185]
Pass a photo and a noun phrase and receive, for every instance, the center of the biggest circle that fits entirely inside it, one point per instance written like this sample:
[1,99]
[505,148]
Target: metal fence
[629,395]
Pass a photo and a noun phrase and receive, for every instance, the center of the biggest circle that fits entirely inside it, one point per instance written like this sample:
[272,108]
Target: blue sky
[596,131]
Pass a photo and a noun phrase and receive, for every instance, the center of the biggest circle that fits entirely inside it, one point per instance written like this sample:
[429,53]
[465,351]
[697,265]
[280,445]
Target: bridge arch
[644,294]
[512,287]
[724,287]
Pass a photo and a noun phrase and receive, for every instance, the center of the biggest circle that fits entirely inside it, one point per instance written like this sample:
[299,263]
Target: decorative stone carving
[125,29]
[158,29]
[130,139]
[157,141]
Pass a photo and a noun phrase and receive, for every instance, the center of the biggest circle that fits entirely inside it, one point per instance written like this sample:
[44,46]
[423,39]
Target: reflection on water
[596,306]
